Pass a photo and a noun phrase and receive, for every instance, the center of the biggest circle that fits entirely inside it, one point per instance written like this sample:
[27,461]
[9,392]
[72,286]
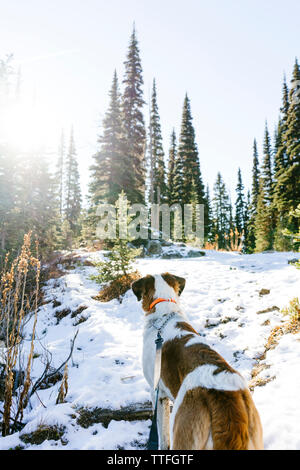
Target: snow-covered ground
[221,300]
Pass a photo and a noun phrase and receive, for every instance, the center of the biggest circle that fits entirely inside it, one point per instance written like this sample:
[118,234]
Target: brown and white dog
[212,406]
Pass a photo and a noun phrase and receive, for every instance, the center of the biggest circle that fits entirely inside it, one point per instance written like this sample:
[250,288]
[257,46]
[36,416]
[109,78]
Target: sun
[27,127]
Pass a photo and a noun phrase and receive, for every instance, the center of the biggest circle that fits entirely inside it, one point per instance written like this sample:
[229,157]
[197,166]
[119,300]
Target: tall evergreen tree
[240,204]
[157,165]
[192,185]
[250,229]
[171,168]
[287,188]
[59,176]
[255,177]
[208,217]
[221,211]
[267,166]
[72,184]
[247,213]
[133,122]
[110,169]
[263,220]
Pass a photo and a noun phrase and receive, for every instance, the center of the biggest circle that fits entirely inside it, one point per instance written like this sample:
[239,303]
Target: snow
[221,300]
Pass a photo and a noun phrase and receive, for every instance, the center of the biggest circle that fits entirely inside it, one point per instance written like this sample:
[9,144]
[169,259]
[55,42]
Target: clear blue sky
[229,56]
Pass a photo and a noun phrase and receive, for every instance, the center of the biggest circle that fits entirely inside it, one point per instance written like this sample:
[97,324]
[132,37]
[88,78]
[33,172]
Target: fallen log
[134,412]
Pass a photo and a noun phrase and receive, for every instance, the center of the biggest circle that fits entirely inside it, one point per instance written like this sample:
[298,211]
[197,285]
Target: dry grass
[117,288]
[63,389]
[233,242]
[19,297]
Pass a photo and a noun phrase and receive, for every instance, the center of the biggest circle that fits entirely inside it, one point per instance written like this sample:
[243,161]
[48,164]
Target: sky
[229,56]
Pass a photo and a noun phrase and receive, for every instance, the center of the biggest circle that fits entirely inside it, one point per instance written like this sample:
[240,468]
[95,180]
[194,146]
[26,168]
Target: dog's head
[150,288]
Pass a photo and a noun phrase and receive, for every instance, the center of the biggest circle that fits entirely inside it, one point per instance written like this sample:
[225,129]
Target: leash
[153,436]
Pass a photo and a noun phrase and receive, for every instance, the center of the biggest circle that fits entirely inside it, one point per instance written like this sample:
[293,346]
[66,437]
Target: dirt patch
[78,311]
[60,314]
[117,288]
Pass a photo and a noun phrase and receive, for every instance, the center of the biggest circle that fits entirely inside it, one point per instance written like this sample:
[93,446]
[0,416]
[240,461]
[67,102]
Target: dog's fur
[212,406]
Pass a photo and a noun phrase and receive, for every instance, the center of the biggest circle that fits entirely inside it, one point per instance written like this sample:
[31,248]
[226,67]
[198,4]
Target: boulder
[195,253]
[154,247]
[172,254]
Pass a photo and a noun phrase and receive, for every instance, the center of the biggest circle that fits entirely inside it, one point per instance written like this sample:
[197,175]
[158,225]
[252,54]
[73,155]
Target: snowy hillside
[223,300]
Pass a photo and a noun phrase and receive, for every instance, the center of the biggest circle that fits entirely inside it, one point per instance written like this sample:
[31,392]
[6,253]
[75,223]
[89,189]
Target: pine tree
[267,166]
[208,217]
[281,158]
[110,169]
[133,121]
[221,212]
[157,165]
[171,168]
[250,228]
[178,179]
[287,188]
[59,176]
[240,204]
[192,185]
[255,177]
[263,220]
[246,222]
[72,184]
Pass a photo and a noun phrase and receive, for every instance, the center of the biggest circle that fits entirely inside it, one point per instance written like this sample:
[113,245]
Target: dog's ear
[181,283]
[176,282]
[138,288]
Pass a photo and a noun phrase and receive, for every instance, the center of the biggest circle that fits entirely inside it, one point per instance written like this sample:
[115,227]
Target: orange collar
[157,301]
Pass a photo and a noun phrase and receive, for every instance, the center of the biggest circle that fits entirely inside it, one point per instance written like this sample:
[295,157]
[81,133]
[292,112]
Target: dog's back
[213,408]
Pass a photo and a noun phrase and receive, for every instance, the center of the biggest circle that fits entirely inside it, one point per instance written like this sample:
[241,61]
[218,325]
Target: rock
[264,291]
[165,243]
[195,253]
[154,247]
[172,254]
[294,261]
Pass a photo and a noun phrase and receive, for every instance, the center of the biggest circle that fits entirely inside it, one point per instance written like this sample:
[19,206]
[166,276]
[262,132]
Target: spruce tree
[133,123]
[287,188]
[59,176]
[263,220]
[72,186]
[208,217]
[110,169]
[158,187]
[267,166]
[240,204]
[171,168]
[250,228]
[192,185]
[246,222]
[255,177]
[221,212]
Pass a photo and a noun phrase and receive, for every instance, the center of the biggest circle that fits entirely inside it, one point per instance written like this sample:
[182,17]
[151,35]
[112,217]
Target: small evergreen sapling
[119,261]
